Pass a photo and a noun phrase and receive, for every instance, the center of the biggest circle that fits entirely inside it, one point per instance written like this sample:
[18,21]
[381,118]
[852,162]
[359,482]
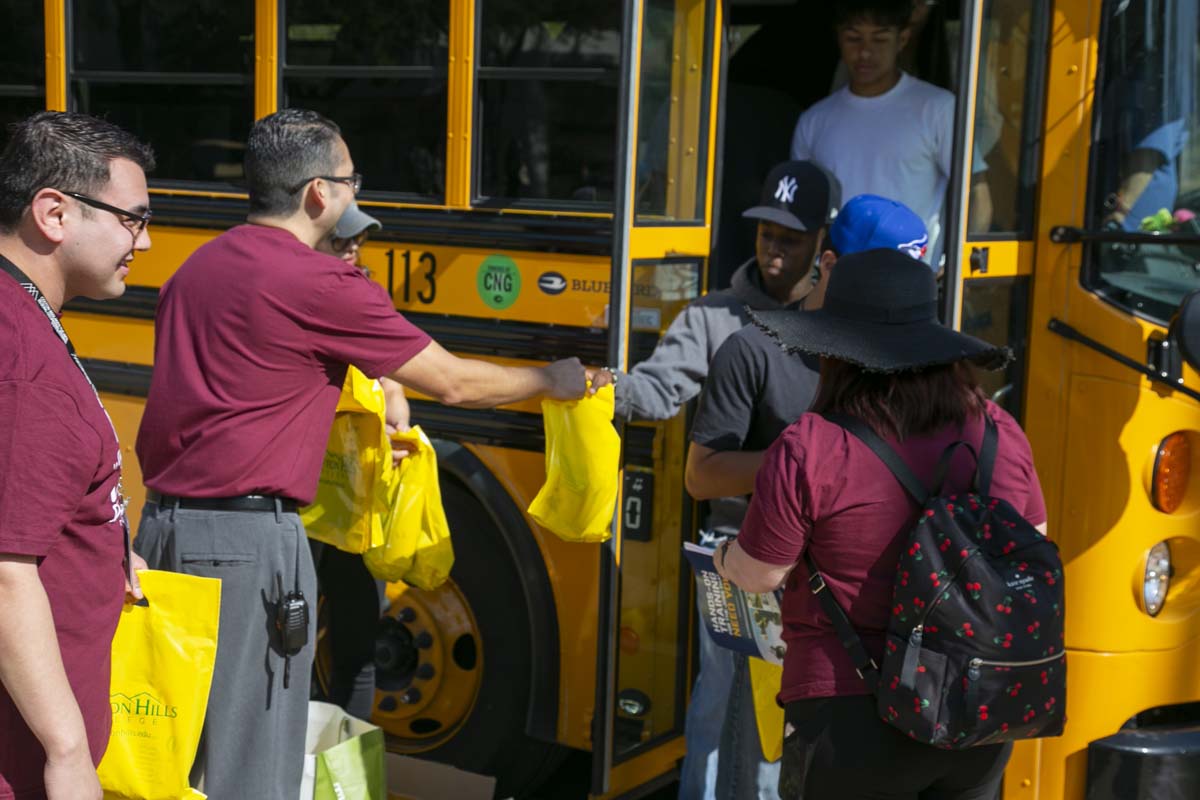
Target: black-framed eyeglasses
[134,221]
[353,180]
[341,245]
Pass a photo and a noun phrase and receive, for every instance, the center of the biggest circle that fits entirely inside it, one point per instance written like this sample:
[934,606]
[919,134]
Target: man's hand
[133,592]
[401,448]
[71,777]
[566,378]
[599,377]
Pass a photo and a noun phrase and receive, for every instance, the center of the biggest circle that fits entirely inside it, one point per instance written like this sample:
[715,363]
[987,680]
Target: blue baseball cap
[871,222]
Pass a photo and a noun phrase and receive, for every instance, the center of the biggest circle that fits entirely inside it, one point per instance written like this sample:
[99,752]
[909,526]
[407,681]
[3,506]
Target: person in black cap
[822,492]
[799,199]
[353,597]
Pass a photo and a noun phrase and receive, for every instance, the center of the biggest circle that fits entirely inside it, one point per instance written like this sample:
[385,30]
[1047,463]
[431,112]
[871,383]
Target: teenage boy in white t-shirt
[885,132]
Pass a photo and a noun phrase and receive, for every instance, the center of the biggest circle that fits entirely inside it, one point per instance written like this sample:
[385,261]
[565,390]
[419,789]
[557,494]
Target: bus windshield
[1146,162]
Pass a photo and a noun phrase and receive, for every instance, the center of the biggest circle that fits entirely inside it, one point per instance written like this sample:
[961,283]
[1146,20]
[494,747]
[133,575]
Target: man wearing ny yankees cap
[799,199]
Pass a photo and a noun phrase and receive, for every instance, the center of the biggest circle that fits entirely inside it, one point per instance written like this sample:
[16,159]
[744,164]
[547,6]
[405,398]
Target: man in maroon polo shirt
[253,335]
[73,209]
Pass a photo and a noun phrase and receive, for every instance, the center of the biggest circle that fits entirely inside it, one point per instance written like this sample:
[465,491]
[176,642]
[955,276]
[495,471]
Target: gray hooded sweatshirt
[660,386]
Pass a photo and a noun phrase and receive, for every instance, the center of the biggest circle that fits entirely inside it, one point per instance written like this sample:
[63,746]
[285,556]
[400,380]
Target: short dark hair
[61,150]
[886,13]
[901,404]
[286,149]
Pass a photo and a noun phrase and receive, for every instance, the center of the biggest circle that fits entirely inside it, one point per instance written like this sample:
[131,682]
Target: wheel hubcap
[428,665]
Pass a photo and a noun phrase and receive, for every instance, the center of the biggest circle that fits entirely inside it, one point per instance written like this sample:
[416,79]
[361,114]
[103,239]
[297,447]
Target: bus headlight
[1158,578]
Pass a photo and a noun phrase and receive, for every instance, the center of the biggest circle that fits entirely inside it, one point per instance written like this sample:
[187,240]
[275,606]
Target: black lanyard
[29,286]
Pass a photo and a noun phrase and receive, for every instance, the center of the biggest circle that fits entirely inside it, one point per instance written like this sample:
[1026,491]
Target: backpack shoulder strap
[985,459]
[866,667]
[987,454]
[943,466]
[911,483]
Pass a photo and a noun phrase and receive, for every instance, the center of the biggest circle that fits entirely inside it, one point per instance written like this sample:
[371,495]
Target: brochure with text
[744,622]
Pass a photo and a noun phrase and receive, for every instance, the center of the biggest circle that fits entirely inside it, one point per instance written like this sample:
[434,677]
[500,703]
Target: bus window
[178,73]
[997,311]
[1006,145]
[671,126]
[1146,160]
[546,115]
[378,69]
[22,63]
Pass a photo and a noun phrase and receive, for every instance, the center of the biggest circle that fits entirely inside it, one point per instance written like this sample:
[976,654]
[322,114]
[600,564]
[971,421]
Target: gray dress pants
[253,742]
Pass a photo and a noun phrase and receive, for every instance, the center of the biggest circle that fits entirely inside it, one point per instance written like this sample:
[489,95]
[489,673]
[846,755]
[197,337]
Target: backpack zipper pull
[912,658]
[973,668]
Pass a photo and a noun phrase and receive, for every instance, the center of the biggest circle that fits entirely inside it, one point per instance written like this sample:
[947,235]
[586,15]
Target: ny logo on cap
[786,191]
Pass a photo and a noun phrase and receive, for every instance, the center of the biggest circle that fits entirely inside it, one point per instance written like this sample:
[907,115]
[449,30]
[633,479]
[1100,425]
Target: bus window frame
[1093,238]
[284,71]
[134,79]
[703,215]
[488,202]
[30,91]
[1033,113]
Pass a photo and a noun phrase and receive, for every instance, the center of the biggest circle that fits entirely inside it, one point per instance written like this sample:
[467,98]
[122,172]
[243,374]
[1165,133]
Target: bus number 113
[426,275]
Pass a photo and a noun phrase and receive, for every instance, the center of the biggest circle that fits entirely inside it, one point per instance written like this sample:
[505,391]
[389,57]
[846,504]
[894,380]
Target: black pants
[841,750]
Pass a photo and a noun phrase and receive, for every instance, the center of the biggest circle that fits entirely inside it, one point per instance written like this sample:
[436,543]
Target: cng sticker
[498,281]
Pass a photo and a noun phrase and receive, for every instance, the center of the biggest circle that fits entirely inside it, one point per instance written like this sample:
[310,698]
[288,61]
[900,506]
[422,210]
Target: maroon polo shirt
[59,469]
[252,337]
[820,487]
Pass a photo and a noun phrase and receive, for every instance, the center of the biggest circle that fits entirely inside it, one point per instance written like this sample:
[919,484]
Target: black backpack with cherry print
[974,651]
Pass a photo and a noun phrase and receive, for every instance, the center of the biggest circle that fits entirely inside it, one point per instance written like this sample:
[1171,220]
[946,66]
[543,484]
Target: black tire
[493,740]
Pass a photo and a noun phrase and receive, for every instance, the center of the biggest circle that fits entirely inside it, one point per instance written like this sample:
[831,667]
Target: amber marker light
[1172,469]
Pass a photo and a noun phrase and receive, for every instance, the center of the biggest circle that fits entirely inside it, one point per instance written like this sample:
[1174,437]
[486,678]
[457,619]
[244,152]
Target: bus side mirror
[1185,329]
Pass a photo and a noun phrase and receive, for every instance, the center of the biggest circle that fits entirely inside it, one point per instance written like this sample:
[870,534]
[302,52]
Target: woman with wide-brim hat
[887,361]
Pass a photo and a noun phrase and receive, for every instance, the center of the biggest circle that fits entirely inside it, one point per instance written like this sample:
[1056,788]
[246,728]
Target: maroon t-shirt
[820,487]
[59,470]
[253,335]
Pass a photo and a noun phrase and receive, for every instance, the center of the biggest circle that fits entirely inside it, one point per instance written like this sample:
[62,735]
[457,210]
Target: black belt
[245,502]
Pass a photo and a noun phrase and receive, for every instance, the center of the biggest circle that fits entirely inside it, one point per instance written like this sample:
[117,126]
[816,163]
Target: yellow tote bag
[352,491]
[416,545]
[162,666]
[765,681]
[583,455]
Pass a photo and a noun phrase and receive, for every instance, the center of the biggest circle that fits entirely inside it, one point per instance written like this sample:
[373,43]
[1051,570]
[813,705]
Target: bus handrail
[1066,234]
[1155,375]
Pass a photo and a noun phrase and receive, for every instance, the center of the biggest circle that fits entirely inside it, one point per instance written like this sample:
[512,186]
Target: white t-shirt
[897,145]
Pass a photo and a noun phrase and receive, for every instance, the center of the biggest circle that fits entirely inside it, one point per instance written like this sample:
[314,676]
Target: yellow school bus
[560,178]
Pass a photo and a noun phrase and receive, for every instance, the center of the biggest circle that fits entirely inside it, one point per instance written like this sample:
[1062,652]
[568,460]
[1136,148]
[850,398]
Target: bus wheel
[452,668]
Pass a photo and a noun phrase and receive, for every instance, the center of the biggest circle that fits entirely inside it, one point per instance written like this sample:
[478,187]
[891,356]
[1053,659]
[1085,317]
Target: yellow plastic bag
[352,493]
[162,666]
[765,681]
[416,547]
[583,455]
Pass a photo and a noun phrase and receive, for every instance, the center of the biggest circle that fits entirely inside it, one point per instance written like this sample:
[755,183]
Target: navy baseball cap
[871,222]
[799,195]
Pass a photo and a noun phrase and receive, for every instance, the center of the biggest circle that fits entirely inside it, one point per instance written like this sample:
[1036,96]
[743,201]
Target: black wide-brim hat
[880,314]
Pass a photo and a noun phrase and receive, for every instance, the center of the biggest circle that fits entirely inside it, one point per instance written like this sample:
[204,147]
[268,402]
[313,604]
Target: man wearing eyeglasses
[73,211]
[252,337]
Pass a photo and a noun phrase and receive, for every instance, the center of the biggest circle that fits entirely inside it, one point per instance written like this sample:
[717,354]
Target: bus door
[660,249]
[1002,50]
[990,211]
